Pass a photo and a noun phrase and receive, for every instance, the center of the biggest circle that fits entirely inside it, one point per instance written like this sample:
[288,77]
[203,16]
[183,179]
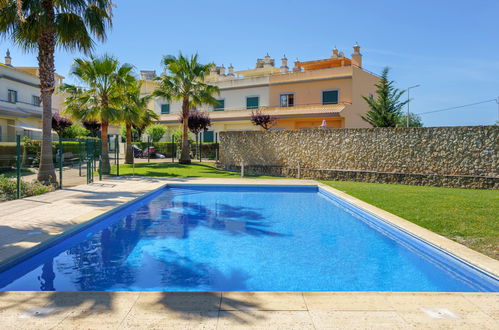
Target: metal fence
[79,161]
[76,161]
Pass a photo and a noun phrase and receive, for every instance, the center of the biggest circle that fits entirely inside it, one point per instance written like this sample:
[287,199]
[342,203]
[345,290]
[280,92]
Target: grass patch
[468,216]
[194,170]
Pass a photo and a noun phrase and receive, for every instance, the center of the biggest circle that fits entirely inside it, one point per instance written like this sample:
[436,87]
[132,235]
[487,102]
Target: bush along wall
[466,157]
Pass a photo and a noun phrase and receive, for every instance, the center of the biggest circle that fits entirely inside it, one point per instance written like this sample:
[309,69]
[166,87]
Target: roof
[305,111]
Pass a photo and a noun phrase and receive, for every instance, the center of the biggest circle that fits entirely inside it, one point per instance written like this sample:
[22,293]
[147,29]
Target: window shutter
[165,109]
[330,97]
[252,102]
[208,136]
[220,106]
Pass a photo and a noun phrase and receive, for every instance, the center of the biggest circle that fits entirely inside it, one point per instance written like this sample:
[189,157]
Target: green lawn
[205,170]
[467,216]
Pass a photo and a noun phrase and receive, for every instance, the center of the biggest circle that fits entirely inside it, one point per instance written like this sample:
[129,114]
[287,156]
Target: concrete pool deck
[28,222]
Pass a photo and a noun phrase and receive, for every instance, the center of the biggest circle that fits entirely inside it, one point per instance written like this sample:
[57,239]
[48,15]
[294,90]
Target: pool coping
[477,260]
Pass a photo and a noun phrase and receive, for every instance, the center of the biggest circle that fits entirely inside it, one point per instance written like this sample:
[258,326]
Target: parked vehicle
[137,152]
[151,153]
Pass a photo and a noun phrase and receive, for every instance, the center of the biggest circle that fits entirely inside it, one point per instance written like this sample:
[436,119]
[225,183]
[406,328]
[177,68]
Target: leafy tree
[92,126]
[384,109]
[101,97]
[414,120]
[135,133]
[60,123]
[183,81]
[43,25]
[258,118]
[156,132]
[148,117]
[198,121]
[74,131]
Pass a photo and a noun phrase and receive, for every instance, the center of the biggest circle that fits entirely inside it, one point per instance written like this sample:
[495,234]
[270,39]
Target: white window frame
[39,100]
[8,95]
[287,106]
[330,90]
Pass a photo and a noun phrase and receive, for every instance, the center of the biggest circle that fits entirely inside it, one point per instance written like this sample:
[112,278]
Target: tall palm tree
[183,81]
[41,25]
[101,97]
[135,111]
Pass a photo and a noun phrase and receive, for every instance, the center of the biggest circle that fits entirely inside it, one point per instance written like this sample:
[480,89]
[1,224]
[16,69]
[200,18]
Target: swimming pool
[243,238]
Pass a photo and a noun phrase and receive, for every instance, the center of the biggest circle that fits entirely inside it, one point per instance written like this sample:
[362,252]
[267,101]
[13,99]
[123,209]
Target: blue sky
[450,47]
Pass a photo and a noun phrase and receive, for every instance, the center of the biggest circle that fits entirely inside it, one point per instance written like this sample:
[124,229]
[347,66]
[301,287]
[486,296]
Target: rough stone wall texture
[441,156]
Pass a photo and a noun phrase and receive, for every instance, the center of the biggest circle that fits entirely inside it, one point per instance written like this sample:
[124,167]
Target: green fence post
[18,165]
[148,150]
[199,148]
[79,157]
[61,159]
[117,157]
[173,148]
[216,146]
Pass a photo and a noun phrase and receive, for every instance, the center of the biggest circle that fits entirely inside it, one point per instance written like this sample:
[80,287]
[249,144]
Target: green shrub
[156,132]
[74,131]
[8,188]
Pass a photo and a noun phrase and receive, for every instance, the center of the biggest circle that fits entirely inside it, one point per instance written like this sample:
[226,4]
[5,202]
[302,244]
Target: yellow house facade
[20,107]
[313,93]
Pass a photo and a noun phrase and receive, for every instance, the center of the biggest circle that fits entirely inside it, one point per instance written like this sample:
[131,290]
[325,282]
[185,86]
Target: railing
[303,106]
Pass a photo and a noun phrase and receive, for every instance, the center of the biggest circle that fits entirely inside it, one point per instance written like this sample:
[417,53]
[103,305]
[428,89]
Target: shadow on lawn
[191,171]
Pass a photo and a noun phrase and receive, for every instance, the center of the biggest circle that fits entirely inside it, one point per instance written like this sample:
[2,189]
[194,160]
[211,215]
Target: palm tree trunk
[106,166]
[185,157]
[46,67]
[129,152]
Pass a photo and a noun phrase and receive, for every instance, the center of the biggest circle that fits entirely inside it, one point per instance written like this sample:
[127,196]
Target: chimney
[267,61]
[8,59]
[147,74]
[297,67]
[335,52]
[284,65]
[231,70]
[356,56]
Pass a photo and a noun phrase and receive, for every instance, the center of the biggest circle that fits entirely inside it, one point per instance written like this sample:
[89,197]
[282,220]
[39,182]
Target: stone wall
[440,156]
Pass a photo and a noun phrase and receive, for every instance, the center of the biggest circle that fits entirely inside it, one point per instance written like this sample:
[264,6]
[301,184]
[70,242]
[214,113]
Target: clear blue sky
[450,47]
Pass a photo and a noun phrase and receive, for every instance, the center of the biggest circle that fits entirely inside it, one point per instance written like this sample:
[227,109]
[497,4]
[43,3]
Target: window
[165,109]
[36,100]
[330,97]
[287,100]
[12,96]
[208,136]
[252,102]
[220,106]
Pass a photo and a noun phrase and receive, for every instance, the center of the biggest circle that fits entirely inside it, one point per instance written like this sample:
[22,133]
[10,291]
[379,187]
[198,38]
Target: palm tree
[41,25]
[183,81]
[101,97]
[135,111]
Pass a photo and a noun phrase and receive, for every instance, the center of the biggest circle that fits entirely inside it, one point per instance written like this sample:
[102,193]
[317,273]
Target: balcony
[297,111]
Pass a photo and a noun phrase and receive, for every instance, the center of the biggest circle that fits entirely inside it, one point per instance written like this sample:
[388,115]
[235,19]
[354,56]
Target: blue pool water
[235,238]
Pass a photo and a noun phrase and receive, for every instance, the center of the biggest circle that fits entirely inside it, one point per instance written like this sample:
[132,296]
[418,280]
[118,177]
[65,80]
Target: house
[20,106]
[305,96]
